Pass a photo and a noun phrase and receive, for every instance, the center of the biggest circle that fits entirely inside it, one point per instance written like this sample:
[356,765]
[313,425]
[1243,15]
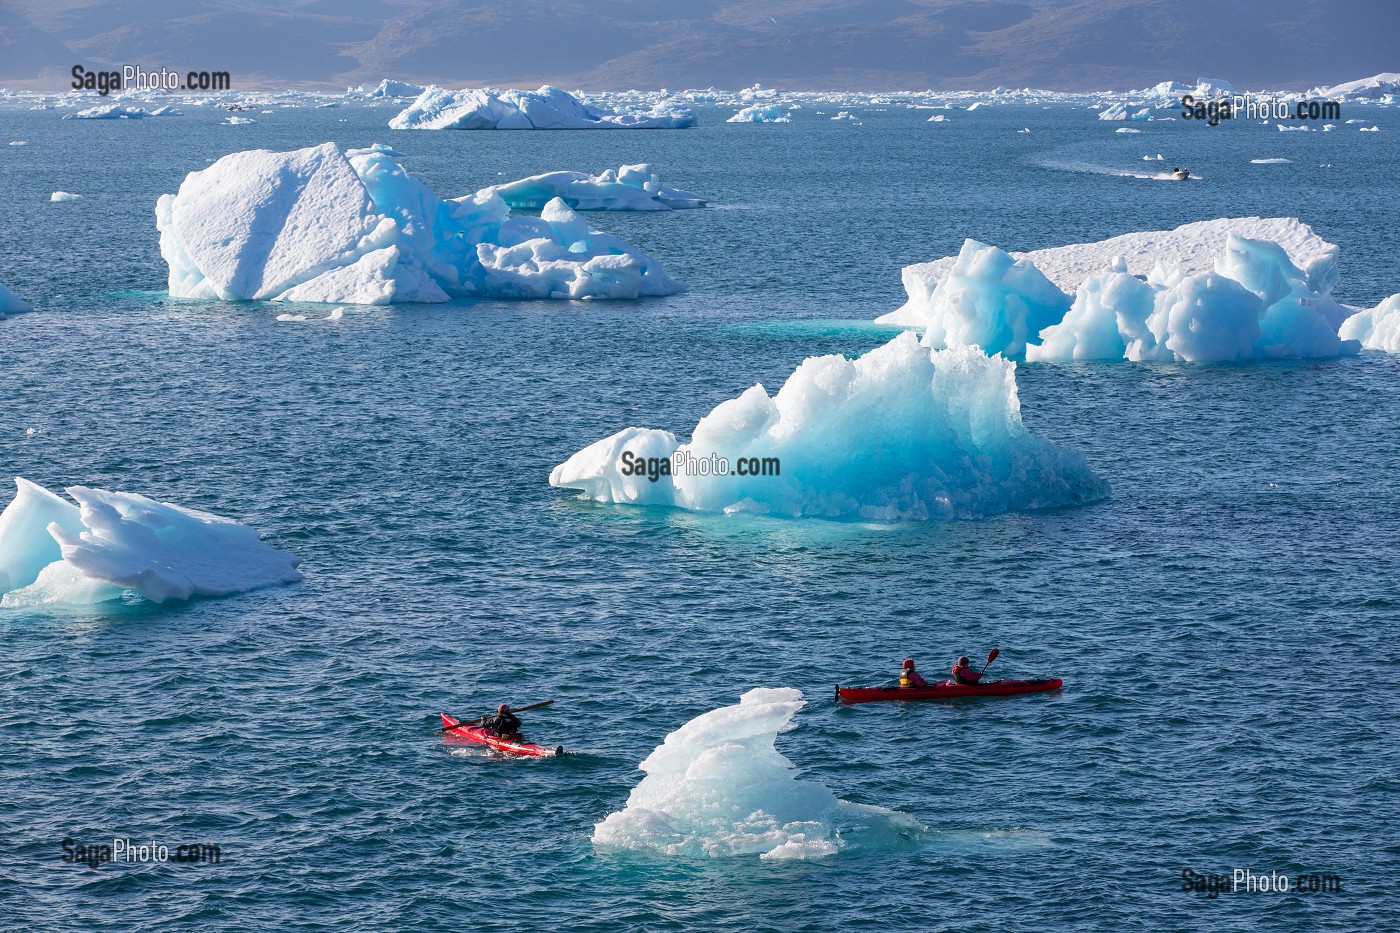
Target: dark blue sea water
[1226,623]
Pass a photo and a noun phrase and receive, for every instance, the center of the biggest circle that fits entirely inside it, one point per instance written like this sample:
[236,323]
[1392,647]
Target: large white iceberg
[549,108]
[900,433]
[1376,87]
[10,303]
[319,224]
[1202,292]
[390,88]
[1377,328]
[761,113]
[52,551]
[718,787]
[629,188]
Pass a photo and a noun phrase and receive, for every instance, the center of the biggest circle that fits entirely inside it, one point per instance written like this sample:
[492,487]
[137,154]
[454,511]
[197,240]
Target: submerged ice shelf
[718,786]
[900,433]
[52,551]
[549,108]
[325,225]
[1212,291]
[628,188]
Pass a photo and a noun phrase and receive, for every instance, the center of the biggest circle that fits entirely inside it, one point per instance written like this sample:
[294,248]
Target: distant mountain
[809,44]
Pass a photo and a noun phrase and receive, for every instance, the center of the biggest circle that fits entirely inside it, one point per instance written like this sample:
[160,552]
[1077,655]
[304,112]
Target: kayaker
[963,672]
[908,677]
[505,723]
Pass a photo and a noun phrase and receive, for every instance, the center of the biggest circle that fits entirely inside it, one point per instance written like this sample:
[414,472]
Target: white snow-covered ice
[55,552]
[65,196]
[628,188]
[549,108]
[719,787]
[324,225]
[1377,328]
[900,433]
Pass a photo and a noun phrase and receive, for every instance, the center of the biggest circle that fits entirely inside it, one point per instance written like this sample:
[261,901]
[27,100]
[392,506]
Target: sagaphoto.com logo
[136,78]
[123,851]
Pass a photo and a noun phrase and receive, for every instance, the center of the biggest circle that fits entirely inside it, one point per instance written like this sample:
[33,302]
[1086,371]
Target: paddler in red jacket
[908,677]
[963,672]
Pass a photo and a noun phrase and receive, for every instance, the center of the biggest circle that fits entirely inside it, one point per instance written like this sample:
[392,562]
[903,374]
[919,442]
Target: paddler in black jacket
[505,723]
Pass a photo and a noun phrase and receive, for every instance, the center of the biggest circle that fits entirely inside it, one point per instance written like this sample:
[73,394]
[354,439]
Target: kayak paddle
[990,658]
[478,719]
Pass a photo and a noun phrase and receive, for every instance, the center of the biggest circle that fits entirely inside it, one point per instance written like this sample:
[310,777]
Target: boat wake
[1094,168]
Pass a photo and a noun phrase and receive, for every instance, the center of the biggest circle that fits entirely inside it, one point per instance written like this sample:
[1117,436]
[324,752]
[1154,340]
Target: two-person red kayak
[500,733]
[965,682]
[947,690]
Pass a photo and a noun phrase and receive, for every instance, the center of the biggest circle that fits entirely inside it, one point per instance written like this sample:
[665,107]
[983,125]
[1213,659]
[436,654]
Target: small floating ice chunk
[628,188]
[1127,129]
[937,118]
[65,196]
[291,317]
[10,303]
[1377,328]
[336,315]
[239,121]
[718,787]
[1270,161]
[52,551]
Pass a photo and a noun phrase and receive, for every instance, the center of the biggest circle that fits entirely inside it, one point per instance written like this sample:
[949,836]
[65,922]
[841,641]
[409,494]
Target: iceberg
[549,108]
[52,551]
[1192,247]
[628,188]
[323,225]
[65,196]
[761,113]
[388,88]
[115,112]
[10,303]
[901,433]
[1253,303]
[1376,87]
[1377,328]
[718,787]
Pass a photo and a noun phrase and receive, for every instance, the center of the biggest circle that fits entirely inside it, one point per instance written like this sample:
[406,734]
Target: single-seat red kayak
[946,690]
[483,736]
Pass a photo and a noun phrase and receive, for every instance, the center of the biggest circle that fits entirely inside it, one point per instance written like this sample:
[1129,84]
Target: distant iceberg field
[549,108]
[900,433]
[326,225]
[52,551]
[1212,291]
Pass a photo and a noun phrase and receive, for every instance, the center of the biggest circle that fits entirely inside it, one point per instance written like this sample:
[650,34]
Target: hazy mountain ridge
[857,44]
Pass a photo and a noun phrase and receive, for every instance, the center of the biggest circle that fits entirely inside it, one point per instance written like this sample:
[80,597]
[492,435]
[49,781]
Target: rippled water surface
[1226,623]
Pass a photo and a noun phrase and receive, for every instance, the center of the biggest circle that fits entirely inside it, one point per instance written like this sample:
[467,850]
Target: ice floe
[901,433]
[628,188]
[110,543]
[65,196]
[1377,328]
[718,787]
[549,108]
[320,224]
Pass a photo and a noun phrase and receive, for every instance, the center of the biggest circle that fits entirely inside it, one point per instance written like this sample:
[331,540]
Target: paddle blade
[992,655]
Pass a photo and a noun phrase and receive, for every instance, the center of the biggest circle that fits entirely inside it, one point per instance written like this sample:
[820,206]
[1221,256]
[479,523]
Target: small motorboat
[1180,174]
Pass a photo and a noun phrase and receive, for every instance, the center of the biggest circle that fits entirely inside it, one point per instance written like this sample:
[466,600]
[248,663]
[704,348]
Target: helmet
[963,661]
[908,662]
[503,708]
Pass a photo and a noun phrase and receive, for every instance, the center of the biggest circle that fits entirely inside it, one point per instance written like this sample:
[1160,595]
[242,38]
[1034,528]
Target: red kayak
[946,690]
[483,736]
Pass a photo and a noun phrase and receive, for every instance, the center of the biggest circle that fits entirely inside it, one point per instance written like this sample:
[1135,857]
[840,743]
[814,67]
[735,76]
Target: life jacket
[908,677]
